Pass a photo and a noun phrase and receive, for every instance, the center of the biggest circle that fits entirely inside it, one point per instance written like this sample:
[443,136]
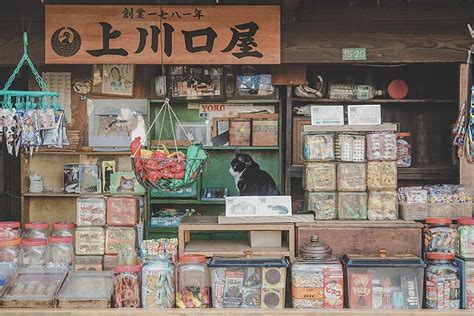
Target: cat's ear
[122,178]
[237,152]
[242,159]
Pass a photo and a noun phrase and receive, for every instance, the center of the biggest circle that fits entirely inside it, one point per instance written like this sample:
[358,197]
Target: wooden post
[466,169]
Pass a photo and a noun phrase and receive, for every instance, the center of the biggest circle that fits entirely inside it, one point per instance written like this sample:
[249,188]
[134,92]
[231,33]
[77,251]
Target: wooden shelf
[373,101]
[75,195]
[413,173]
[186,202]
[211,248]
[230,148]
[228,101]
[85,153]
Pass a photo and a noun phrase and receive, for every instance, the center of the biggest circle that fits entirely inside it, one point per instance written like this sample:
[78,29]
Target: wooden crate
[363,237]
[420,211]
[239,132]
[264,132]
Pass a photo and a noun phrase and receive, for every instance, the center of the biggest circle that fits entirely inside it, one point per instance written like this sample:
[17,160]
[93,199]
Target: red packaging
[122,211]
[360,288]
[333,288]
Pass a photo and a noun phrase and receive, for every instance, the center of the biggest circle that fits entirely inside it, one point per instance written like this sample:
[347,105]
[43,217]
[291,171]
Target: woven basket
[420,211]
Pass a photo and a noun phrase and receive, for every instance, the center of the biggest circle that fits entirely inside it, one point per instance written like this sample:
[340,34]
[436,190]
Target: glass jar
[158,283]
[317,277]
[9,230]
[60,252]
[442,283]
[440,235]
[403,150]
[466,236]
[36,230]
[63,229]
[10,253]
[127,286]
[192,285]
[33,252]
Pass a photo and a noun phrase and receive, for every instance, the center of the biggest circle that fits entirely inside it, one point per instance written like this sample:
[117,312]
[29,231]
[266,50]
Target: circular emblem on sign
[66,41]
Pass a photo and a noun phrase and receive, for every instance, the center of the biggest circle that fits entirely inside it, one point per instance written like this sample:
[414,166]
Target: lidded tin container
[158,282]
[192,282]
[466,236]
[322,204]
[442,283]
[383,282]
[317,277]
[127,285]
[33,253]
[63,229]
[248,282]
[10,230]
[60,252]
[10,253]
[440,235]
[36,230]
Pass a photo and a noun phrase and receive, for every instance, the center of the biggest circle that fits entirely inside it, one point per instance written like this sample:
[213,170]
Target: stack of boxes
[337,175]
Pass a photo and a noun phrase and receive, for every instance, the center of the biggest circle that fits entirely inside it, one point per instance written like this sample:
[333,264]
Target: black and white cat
[249,178]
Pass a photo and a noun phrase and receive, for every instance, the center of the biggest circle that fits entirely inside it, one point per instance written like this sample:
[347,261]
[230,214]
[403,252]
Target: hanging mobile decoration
[31,118]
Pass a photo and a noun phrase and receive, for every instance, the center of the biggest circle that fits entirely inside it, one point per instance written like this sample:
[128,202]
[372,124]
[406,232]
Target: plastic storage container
[317,278]
[10,253]
[383,282]
[10,230]
[440,235]
[36,230]
[351,177]
[382,175]
[319,176]
[383,205]
[381,146]
[158,283]
[60,252]
[90,241]
[318,147]
[33,252]
[466,236]
[442,284]
[466,268]
[404,150]
[322,204]
[63,229]
[122,211]
[350,147]
[352,205]
[90,211]
[248,282]
[127,286]
[192,282]
[118,239]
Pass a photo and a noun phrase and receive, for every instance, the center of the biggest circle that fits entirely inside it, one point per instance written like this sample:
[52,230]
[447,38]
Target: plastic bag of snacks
[351,176]
[319,176]
[381,146]
[382,175]
[318,147]
[382,205]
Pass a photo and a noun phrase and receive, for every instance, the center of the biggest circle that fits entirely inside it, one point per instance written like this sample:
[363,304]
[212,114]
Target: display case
[319,176]
[248,282]
[34,288]
[318,147]
[86,290]
[382,175]
[352,205]
[90,211]
[118,239]
[351,176]
[382,205]
[122,211]
[90,241]
[383,281]
[466,270]
[322,204]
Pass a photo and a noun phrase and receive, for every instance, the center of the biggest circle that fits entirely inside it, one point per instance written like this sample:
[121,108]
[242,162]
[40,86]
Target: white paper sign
[327,115]
[364,114]
[258,206]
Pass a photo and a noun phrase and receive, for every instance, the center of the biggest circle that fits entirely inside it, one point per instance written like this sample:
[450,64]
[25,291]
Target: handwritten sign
[148,34]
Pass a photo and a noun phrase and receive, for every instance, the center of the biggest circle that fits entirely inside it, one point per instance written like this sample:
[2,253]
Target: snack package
[352,205]
[350,147]
[381,146]
[318,147]
[351,177]
[118,239]
[322,204]
[382,205]
[382,175]
[319,176]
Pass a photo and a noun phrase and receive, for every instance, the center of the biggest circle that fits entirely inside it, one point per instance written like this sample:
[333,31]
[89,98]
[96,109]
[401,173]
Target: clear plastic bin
[60,252]
[10,230]
[36,230]
[383,205]
[192,282]
[442,283]
[352,205]
[10,253]
[319,176]
[248,283]
[33,253]
[383,282]
[158,283]
[351,177]
[322,204]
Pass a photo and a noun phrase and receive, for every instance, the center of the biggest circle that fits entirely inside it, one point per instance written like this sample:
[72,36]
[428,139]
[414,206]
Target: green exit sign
[354,54]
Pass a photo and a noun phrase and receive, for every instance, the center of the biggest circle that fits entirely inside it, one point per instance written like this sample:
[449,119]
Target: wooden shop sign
[148,34]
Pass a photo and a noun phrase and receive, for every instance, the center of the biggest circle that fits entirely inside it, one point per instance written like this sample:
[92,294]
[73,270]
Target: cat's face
[127,183]
[239,163]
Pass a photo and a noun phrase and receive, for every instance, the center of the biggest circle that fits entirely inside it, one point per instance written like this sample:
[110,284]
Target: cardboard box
[258,206]
[265,239]
[239,132]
